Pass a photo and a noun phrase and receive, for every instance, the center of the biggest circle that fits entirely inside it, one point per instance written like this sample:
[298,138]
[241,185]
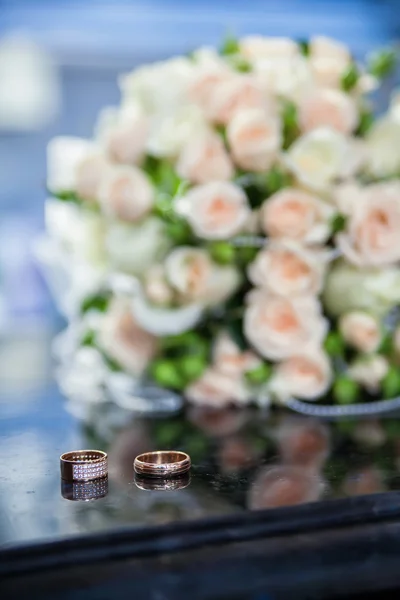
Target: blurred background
[59,61]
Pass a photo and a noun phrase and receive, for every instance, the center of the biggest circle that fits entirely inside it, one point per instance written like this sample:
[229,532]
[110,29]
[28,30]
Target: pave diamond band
[83,465]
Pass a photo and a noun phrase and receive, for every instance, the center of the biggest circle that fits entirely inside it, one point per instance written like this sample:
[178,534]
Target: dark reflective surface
[242,460]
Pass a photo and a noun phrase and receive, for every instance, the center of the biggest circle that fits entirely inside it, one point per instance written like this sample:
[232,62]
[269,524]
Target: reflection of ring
[84,490]
[83,465]
[163,463]
[162,485]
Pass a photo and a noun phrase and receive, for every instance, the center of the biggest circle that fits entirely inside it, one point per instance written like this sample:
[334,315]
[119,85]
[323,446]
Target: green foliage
[349,78]
[97,302]
[259,375]
[222,252]
[391,382]
[365,122]
[382,62]
[289,123]
[66,196]
[334,344]
[89,338]
[230,45]
[338,223]
[259,186]
[304,47]
[179,231]
[345,390]
[192,366]
[165,372]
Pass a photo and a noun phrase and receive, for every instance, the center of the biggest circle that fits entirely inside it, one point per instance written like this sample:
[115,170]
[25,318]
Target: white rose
[328,59]
[372,234]
[217,389]
[197,278]
[64,154]
[208,76]
[229,359]
[383,147]
[162,321]
[170,132]
[135,248]
[286,268]
[347,195]
[369,371]
[254,139]
[126,193]
[281,327]
[348,288]
[328,108]
[297,215]
[240,92]
[123,340]
[204,159]
[361,330]
[288,77]
[319,157]
[79,231]
[254,47]
[215,211]
[306,375]
[161,87]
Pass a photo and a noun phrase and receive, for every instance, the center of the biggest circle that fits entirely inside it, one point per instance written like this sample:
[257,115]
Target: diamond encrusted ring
[83,465]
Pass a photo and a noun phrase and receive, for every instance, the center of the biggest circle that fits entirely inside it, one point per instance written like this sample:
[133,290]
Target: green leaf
[179,231]
[345,390]
[338,223]
[259,375]
[66,196]
[334,344]
[222,252]
[97,302]
[89,339]
[382,62]
[192,367]
[350,78]
[365,122]
[230,45]
[166,373]
[289,123]
[276,179]
[304,47]
[391,382]
[235,330]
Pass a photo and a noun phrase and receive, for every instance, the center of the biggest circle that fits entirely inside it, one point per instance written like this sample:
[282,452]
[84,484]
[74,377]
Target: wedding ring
[83,465]
[170,484]
[163,463]
[84,490]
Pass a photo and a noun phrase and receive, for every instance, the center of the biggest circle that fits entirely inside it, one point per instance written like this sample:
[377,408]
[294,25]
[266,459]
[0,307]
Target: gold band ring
[83,465]
[162,463]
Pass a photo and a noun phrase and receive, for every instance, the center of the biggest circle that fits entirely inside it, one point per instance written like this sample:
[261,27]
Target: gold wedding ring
[162,463]
[83,465]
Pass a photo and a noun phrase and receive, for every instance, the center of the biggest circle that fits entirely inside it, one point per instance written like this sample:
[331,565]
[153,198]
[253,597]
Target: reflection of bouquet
[232,232]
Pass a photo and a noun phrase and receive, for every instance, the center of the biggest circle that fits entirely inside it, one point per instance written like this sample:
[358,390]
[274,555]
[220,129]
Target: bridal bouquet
[232,232]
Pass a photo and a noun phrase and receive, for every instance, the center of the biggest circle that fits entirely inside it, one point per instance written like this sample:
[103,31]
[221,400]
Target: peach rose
[254,47]
[328,60]
[303,442]
[298,215]
[205,83]
[286,268]
[126,193]
[282,327]
[283,485]
[125,142]
[156,287]
[197,278]
[229,359]
[217,389]
[369,371]
[89,175]
[373,231]
[306,375]
[204,159]
[361,330]
[240,92]
[328,108]
[123,340]
[216,210]
[254,139]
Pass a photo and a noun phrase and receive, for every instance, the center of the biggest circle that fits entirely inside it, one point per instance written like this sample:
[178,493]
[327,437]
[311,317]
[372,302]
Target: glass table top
[242,459]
